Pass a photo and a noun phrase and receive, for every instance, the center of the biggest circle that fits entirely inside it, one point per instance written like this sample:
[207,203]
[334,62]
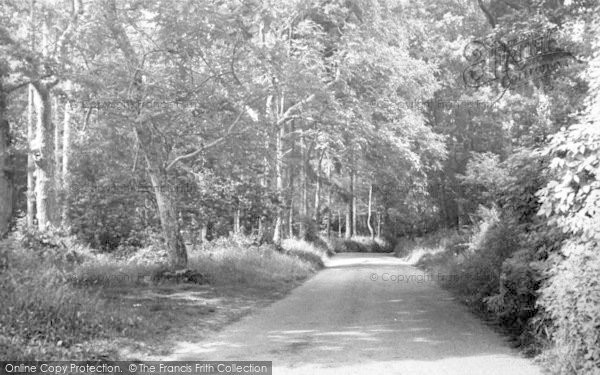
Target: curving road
[365,314]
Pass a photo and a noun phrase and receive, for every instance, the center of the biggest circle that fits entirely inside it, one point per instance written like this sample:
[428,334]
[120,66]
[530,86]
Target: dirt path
[343,321]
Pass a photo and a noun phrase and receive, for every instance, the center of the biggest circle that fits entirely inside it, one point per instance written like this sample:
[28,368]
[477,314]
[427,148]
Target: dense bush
[514,303]
[478,275]
[481,271]
[570,295]
[570,298]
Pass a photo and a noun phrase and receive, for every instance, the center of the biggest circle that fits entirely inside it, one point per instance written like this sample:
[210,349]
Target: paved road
[344,322]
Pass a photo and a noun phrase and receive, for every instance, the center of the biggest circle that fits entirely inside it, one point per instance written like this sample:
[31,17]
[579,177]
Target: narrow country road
[365,314]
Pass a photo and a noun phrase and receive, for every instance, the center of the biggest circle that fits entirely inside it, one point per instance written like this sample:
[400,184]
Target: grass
[238,262]
[95,306]
[314,254]
[44,317]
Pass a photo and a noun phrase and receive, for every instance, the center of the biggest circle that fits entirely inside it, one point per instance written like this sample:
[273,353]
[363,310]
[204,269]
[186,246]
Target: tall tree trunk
[168,220]
[292,172]
[348,234]
[339,224]
[353,202]
[291,209]
[236,221]
[317,215]
[153,153]
[6,172]
[291,218]
[30,162]
[369,212]
[378,224]
[264,185]
[304,186]
[43,158]
[167,213]
[203,232]
[329,196]
[66,149]
[57,160]
[279,184]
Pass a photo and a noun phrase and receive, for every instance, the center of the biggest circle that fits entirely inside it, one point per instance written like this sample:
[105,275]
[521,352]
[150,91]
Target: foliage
[570,294]
[518,192]
[481,180]
[571,200]
[570,298]
[222,105]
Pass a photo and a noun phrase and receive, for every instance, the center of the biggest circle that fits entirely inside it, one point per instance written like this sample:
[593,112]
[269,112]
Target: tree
[6,182]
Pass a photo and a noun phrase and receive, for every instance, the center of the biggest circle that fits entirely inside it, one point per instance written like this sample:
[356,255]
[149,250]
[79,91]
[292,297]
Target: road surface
[365,314]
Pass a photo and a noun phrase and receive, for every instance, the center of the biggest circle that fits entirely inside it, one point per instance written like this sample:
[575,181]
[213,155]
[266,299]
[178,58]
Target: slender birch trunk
[57,212]
[348,234]
[30,161]
[369,212]
[317,215]
[329,197]
[66,149]
[238,221]
[353,202]
[304,187]
[279,184]
[292,172]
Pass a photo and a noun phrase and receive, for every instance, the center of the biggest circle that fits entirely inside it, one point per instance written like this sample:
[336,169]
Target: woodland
[167,127]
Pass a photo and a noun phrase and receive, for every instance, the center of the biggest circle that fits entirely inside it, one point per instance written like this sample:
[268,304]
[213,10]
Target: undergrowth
[51,288]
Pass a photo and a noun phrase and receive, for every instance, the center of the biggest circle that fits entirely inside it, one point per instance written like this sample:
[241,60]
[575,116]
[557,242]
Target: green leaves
[572,197]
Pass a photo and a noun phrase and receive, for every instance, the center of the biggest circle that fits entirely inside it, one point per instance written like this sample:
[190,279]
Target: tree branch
[487,13]
[11,88]
[119,33]
[207,146]
[286,114]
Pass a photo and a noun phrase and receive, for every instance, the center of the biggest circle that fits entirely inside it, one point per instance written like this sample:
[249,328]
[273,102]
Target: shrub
[474,274]
[479,276]
[570,298]
[514,304]
[488,218]
[404,246]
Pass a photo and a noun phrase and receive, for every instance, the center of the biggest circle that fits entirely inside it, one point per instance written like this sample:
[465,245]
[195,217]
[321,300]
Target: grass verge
[94,306]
